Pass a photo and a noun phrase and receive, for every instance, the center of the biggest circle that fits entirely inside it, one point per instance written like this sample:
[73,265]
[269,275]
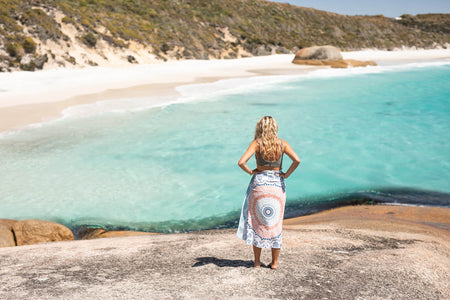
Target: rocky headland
[355,252]
[49,34]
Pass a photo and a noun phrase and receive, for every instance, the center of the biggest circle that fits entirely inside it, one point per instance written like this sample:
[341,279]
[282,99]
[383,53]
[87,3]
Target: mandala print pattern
[263,211]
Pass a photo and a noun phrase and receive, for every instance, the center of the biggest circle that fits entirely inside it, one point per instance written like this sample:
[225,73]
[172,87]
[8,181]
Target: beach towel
[263,211]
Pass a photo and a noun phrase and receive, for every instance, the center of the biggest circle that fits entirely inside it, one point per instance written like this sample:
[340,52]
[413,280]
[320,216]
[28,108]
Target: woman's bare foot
[273,266]
[257,252]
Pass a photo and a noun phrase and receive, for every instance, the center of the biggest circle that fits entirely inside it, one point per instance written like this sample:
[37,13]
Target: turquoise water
[175,168]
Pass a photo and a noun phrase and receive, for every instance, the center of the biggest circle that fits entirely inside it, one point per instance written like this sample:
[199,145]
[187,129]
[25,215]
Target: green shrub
[119,43]
[29,45]
[13,49]
[89,39]
[68,20]
[47,26]
[28,67]
[86,22]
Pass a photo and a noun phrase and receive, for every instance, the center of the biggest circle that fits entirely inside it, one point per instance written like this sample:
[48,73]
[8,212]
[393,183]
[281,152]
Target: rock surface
[363,252]
[30,232]
[6,234]
[8,222]
[319,53]
[102,233]
[6,237]
[327,56]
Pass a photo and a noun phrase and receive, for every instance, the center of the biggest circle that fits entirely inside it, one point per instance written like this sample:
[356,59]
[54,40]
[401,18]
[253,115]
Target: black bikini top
[260,161]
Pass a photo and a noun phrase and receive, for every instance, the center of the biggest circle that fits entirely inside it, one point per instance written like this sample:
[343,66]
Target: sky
[388,8]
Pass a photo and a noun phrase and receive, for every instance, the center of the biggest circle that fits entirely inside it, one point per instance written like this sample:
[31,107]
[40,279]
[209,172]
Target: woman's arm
[249,153]
[293,156]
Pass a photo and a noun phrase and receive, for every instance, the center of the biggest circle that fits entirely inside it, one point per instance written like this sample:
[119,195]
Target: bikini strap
[259,146]
[281,164]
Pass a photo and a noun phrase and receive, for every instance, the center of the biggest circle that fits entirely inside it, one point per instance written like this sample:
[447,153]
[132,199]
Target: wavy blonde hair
[266,132]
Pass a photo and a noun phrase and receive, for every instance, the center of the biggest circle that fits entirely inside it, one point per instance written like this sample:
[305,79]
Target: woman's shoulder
[284,143]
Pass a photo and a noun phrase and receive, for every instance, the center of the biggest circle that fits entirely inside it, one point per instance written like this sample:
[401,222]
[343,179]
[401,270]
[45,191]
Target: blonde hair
[266,131]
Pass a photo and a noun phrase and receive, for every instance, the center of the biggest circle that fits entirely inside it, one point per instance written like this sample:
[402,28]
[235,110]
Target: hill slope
[88,32]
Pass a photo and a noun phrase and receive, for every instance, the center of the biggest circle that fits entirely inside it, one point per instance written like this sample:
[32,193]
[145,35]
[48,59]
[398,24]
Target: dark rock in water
[30,232]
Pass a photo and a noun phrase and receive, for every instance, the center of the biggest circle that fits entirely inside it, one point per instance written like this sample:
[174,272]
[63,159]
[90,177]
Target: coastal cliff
[61,33]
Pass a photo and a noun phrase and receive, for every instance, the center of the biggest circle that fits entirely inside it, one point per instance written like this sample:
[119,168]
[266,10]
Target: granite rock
[362,252]
[327,56]
[319,53]
[6,236]
[102,233]
[30,232]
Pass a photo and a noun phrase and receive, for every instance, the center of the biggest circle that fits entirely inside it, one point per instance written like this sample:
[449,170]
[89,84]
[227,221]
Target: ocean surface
[378,134]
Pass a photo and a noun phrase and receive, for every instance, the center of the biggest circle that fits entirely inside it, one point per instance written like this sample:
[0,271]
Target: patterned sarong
[263,210]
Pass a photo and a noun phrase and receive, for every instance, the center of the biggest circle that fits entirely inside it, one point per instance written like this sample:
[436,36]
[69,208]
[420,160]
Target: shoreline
[313,216]
[435,218]
[293,216]
[51,92]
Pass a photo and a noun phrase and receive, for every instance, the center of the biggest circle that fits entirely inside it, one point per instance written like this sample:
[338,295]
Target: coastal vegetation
[33,32]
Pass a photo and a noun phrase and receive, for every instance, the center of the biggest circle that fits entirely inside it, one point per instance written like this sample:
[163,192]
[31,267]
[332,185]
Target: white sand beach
[36,97]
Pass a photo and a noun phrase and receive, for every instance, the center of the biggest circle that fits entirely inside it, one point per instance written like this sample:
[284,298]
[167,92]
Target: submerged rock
[30,232]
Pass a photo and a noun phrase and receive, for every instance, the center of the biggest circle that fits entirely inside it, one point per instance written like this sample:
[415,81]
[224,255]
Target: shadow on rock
[201,261]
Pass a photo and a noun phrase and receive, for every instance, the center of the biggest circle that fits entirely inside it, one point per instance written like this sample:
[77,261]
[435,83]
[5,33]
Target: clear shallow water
[175,168]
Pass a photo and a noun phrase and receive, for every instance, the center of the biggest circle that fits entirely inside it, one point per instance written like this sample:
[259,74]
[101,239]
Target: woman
[263,209]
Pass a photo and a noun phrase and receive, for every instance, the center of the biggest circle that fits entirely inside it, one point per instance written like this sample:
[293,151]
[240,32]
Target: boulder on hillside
[327,56]
[30,232]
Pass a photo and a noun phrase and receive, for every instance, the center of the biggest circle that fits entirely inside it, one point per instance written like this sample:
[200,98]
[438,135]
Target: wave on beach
[213,90]
[38,82]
